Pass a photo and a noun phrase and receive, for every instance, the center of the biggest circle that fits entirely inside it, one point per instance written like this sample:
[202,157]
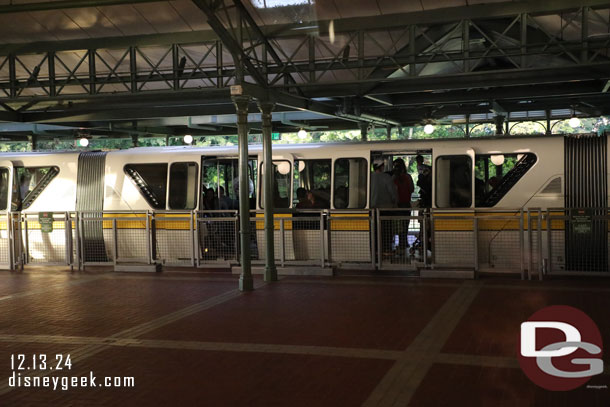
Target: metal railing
[531,242]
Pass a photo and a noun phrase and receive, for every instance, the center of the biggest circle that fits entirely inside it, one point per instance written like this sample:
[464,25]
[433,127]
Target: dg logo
[560,348]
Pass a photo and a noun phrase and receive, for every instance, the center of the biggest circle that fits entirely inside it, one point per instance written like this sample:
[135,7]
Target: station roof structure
[118,67]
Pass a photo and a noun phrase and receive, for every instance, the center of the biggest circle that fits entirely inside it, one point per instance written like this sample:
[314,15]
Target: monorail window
[151,180]
[183,185]
[220,184]
[496,174]
[350,183]
[281,184]
[4,186]
[28,184]
[453,181]
[312,184]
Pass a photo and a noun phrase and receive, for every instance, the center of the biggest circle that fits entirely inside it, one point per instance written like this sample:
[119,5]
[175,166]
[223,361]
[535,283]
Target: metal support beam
[246,283]
[33,139]
[499,121]
[92,79]
[270,269]
[364,127]
[234,45]
[65,4]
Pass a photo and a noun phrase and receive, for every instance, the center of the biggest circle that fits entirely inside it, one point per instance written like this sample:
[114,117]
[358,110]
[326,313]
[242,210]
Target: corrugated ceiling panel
[59,24]
[24,29]
[327,10]
[393,6]
[127,20]
[95,24]
[191,14]
[357,8]
[163,17]
[436,4]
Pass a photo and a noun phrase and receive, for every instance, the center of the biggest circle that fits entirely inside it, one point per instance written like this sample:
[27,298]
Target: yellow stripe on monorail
[260,223]
[350,223]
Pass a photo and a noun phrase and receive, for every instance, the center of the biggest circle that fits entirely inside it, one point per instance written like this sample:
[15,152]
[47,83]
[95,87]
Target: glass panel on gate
[350,183]
[454,181]
[183,185]
[281,184]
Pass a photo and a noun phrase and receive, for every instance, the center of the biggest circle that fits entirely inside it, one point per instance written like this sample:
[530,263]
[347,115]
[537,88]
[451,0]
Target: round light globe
[497,159]
[188,139]
[428,129]
[574,122]
[83,142]
[283,167]
[302,134]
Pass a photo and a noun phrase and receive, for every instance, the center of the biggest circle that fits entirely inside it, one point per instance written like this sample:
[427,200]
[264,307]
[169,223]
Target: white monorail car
[507,173]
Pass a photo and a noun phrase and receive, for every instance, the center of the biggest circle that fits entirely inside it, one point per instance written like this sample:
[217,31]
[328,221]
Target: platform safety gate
[529,242]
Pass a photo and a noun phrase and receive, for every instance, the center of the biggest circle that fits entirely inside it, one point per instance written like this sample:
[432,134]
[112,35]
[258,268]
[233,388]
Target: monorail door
[6,175]
[220,192]
[586,196]
[402,238]
[6,193]
[90,202]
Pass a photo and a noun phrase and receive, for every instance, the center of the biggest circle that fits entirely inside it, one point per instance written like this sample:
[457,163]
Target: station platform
[190,338]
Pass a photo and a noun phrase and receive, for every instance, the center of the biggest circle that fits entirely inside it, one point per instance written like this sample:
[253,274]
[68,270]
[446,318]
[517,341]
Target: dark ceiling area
[118,68]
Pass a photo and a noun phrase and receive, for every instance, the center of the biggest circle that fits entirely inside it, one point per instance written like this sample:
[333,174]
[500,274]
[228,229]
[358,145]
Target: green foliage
[587,125]
[15,146]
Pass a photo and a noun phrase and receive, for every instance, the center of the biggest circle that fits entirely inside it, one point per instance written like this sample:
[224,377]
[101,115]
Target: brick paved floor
[190,338]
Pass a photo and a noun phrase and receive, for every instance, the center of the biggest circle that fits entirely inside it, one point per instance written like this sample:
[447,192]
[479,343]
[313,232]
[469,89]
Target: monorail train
[500,172]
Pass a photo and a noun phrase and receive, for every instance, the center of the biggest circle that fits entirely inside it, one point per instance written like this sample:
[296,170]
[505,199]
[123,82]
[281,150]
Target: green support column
[364,127]
[270,270]
[241,105]
[33,139]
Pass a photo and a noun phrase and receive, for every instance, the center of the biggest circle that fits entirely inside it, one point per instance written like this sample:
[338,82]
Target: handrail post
[282,243]
[540,262]
[529,245]
[432,241]
[82,241]
[195,216]
[27,237]
[78,246]
[149,237]
[115,245]
[192,232]
[475,236]
[521,244]
[379,240]
[548,241]
[322,254]
[68,238]
[11,240]
[373,235]
[329,244]
[425,219]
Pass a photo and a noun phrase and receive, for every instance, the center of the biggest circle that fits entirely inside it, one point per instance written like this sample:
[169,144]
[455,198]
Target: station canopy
[120,67]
